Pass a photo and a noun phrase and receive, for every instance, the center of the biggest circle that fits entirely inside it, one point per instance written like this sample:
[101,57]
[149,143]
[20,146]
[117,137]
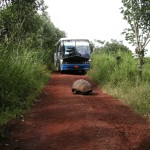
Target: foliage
[113,67]
[19,76]
[137,14]
[47,41]
[137,97]
[18,20]
[22,26]
[113,47]
[27,39]
[118,78]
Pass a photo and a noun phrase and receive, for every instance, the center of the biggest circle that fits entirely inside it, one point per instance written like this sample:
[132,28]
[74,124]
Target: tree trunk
[140,63]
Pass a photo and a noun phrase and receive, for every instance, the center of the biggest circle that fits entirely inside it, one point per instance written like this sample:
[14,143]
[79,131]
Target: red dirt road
[60,120]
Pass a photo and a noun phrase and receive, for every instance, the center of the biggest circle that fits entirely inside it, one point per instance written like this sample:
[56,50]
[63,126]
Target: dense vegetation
[113,66]
[115,71]
[27,38]
[137,15]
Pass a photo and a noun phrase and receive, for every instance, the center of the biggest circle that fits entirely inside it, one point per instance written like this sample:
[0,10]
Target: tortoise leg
[88,92]
[74,91]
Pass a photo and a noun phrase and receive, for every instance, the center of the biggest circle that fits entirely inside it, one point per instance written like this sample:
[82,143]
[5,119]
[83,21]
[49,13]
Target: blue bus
[72,54]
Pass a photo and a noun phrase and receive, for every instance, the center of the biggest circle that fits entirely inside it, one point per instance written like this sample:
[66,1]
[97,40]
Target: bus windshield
[76,47]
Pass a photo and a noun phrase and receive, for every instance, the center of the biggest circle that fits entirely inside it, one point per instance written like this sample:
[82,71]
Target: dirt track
[60,120]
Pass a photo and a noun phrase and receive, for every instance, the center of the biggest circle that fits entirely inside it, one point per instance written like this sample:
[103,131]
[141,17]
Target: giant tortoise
[81,86]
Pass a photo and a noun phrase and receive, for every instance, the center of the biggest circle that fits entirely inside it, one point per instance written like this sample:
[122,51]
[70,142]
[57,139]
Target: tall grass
[117,75]
[21,75]
[146,71]
[101,67]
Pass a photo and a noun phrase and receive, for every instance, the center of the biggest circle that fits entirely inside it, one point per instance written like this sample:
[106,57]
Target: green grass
[22,76]
[118,77]
[102,66]
[137,97]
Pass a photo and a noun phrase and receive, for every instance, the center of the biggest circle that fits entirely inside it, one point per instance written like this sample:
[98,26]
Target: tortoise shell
[81,86]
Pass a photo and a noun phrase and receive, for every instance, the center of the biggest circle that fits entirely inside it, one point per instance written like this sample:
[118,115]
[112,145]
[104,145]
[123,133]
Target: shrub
[117,75]
[21,74]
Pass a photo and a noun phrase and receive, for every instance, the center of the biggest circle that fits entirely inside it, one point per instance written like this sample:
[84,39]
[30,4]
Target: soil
[60,120]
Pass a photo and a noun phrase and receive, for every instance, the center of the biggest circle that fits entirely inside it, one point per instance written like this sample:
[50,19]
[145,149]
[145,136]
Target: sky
[91,19]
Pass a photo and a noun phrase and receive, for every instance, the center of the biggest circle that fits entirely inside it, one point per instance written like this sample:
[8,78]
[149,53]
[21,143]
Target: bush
[112,68]
[21,74]
[117,75]
[102,66]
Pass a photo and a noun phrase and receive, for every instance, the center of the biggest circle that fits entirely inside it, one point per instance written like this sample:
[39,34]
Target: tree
[113,47]
[137,14]
[50,33]
[19,18]
[25,26]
